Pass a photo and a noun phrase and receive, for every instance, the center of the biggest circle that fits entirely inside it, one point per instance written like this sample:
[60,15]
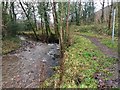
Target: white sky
[98,5]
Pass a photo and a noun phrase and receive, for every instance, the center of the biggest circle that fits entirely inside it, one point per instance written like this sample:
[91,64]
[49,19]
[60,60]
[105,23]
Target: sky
[98,5]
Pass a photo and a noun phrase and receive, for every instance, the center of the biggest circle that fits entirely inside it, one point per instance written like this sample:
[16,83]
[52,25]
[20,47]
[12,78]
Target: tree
[27,15]
[61,39]
[110,12]
[35,21]
[67,23]
[12,12]
[77,12]
[56,28]
[41,13]
[5,18]
[84,16]
[102,16]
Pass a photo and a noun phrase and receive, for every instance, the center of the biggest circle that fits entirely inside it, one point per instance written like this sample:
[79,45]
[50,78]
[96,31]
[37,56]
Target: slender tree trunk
[4,18]
[102,16]
[61,39]
[42,26]
[76,12]
[29,20]
[55,19]
[13,11]
[109,21]
[46,22]
[67,23]
[79,11]
[35,18]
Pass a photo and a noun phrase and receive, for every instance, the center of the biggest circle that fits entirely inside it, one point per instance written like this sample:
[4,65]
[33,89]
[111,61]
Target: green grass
[82,59]
[38,32]
[100,31]
[104,39]
[9,44]
[108,42]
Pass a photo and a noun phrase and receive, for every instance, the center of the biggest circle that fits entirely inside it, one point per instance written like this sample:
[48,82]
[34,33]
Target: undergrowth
[82,60]
[9,44]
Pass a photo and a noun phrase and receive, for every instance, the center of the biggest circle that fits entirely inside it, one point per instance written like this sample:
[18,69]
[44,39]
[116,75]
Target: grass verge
[10,44]
[104,39]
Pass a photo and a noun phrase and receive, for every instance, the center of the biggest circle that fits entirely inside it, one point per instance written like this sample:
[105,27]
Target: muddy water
[30,65]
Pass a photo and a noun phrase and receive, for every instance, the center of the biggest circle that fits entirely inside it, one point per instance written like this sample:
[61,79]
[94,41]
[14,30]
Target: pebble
[12,79]
[31,59]
[26,63]
[29,73]
[33,62]
[39,80]
[44,60]
[35,66]
[23,81]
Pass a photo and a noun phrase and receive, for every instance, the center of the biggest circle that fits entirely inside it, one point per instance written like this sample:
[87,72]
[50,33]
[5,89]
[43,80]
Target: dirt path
[113,80]
[107,51]
[30,65]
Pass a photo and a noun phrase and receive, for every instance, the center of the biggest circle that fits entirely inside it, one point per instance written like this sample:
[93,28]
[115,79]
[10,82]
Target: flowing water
[30,65]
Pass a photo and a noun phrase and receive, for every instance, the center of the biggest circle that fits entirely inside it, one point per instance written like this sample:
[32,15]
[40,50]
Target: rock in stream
[30,65]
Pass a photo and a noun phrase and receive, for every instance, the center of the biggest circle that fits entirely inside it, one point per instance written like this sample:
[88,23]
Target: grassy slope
[9,44]
[82,59]
[98,31]
[93,30]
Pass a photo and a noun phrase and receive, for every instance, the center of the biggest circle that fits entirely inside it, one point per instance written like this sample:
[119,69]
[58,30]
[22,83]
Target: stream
[30,65]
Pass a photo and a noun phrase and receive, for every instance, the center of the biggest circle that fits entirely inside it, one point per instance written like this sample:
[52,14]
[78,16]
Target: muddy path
[113,80]
[107,51]
[30,65]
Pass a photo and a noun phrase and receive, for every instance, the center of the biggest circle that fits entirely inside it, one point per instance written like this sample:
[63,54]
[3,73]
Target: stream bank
[30,65]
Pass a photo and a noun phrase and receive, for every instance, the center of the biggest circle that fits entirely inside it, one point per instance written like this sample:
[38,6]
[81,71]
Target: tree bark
[35,18]
[46,22]
[61,39]
[29,21]
[67,23]
[55,19]
[109,21]
[102,16]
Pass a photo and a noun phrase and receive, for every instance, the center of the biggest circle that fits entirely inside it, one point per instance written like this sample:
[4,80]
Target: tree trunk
[29,21]
[61,39]
[55,19]
[67,23]
[13,12]
[4,18]
[102,16]
[35,18]
[109,21]
[46,22]
[42,26]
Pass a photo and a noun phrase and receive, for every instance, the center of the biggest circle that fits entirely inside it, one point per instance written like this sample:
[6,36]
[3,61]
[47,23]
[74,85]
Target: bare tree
[102,16]
[29,20]
[55,19]
[67,22]
[110,12]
